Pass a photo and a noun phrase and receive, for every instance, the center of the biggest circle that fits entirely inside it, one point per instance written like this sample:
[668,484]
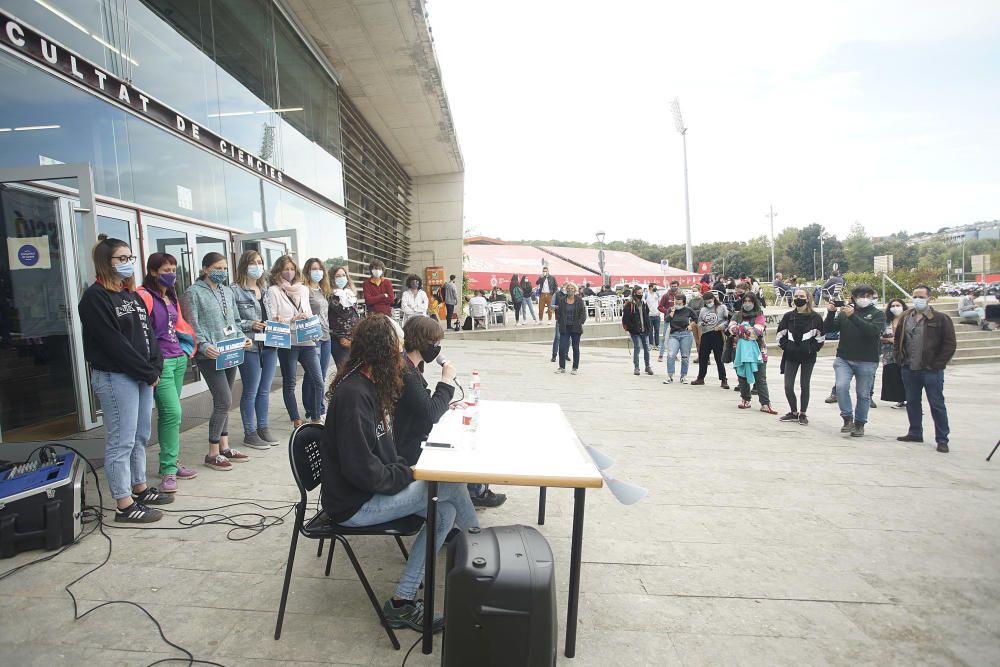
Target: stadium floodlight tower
[600,257]
[682,130]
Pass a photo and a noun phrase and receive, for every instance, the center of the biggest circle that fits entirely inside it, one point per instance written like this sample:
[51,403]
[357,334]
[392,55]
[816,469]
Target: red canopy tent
[625,267]
[492,265]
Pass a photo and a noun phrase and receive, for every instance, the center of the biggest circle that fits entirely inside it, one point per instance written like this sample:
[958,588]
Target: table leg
[541,505]
[429,563]
[575,554]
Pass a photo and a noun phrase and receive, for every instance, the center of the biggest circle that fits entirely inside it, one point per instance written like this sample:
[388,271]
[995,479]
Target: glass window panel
[172,175]
[78,127]
[244,197]
[321,233]
[91,28]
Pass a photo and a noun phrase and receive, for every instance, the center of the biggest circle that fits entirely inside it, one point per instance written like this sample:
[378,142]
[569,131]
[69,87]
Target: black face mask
[430,354]
[637,295]
[800,302]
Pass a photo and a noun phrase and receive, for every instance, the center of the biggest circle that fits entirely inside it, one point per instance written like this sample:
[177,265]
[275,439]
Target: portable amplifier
[41,504]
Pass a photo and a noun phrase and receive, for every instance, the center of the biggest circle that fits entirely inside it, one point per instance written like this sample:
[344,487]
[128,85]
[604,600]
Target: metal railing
[902,291]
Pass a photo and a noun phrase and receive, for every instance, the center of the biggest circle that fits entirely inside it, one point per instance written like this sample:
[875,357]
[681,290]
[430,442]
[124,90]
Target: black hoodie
[117,335]
[417,411]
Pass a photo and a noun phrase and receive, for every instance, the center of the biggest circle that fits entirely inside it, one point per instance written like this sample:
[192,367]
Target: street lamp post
[600,257]
[682,130]
[822,264]
[771,214]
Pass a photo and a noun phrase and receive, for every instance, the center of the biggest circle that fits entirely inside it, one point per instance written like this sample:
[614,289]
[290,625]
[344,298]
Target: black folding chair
[304,456]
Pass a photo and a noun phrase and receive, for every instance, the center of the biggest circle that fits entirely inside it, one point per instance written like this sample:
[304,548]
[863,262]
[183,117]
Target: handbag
[729,348]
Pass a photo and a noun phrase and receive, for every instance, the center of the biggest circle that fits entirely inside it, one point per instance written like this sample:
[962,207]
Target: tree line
[797,252]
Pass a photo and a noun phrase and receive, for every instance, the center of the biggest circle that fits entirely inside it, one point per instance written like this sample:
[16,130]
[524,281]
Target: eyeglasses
[125,259]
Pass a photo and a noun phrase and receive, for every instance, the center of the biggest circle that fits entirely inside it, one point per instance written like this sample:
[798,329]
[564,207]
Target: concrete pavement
[760,543]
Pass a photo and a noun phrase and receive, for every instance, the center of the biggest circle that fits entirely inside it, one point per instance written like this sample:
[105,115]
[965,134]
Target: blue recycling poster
[231,353]
[308,329]
[277,334]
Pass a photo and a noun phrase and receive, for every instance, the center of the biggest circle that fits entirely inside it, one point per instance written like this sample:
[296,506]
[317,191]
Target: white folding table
[550,454]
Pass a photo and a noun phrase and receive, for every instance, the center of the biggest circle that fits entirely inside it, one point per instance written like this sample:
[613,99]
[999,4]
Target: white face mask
[376,273]
[896,310]
[863,302]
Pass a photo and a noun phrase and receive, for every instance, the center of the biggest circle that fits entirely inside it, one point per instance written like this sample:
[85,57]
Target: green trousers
[168,411]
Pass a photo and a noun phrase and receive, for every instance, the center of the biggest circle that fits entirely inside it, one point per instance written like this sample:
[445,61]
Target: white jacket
[284,308]
[413,305]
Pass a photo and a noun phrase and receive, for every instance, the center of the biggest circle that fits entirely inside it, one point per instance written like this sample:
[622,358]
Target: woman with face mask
[678,326]
[177,343]
[800,337]
[414,300]
[342,314]
[212,309]
[892,378]
[635,320]
[377,290]
[125,364]
[712,322]
[319,301]
[291,305]
[748,324]
[571,313]
[259,363]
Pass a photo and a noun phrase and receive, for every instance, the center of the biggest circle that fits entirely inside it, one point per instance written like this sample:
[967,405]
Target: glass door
[271,245]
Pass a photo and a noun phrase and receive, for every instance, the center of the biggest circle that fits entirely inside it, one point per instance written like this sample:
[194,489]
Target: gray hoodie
[203,307]
[710,319]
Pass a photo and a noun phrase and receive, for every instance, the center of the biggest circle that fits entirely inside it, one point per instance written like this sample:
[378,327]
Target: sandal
[743,405]
[768,409]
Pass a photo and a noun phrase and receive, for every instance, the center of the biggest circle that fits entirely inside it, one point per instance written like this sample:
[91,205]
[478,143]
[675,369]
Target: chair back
[477,310]
[499,306]
[304,457]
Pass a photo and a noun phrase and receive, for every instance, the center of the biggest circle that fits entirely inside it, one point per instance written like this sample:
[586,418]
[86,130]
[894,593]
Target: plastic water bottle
[470,418]
[474,387]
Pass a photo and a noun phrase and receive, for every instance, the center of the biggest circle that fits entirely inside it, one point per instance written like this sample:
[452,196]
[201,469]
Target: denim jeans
[644,341]
[257,373]
[863,373]
[528,308]
[324,350]
[931,382]
[309,358]
[454,508]
[566,338]
[680,341]
[127,404]
[654,331]
[168,412]
[555,342]
[339,353]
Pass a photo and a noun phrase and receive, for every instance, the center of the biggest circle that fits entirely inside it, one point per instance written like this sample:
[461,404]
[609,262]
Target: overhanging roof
[384,58]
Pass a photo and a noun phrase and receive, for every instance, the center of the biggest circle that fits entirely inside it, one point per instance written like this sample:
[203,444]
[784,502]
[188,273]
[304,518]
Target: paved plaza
[760,543]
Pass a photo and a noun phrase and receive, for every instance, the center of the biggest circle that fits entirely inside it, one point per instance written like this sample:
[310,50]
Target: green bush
[908,279]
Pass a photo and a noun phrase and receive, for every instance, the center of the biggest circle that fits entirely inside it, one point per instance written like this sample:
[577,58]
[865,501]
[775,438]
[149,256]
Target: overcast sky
[883,112]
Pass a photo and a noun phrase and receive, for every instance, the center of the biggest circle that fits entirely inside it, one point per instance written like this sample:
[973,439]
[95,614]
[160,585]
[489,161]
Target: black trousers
[711,343]
[791,369]
[450,312]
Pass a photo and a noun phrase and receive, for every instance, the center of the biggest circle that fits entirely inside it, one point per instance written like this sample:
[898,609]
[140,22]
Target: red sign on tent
[704,267]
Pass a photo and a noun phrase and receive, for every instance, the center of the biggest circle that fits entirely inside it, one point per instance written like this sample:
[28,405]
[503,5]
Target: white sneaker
[669,380]
[684,380]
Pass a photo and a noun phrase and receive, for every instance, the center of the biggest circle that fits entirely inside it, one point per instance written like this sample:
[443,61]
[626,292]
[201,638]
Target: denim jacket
[248,308]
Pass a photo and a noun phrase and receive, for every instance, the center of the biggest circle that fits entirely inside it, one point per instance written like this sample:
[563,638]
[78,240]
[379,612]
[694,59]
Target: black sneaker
[636,371]
[552,359]
[489,499]
[725,385]
[152,496]
[410,614]
[873,404]
[848,425]
[859,430]
[137,513]
[909,438]
[803,420]
[832,398]
[789,417]
[942,447]
[649,371]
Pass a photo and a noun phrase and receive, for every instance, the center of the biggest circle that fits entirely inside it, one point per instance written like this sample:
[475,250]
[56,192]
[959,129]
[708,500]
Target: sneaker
[560,370]
[897,406]
[725,385]
[649,371]
[489,499]
[409,615]
[265,435]
[153,496]
[553,359]
[768,409]
[168,484]
[832,398]
[803,421]
[697,381]
[218,462]
[254,441]
[789,417]
[684,380]
[234,456]
[660,358]
[744,405]
[573,372]
[636,371]
[184,472]
[669,380]
[873,404]
[942,447]
[137,513]
[736,388]
[909,438]
[859,430]
[848,425]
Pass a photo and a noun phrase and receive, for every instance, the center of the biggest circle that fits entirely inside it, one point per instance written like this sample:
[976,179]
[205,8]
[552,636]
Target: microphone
[440,359]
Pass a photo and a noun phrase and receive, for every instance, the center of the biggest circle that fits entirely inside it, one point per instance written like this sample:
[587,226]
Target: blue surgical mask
[919,303]
[255,271]
[340,281]
[316,275]
[125,270]
[218,276]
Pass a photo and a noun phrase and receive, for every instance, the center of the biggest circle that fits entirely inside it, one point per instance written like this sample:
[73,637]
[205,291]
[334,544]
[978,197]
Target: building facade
[192,126]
